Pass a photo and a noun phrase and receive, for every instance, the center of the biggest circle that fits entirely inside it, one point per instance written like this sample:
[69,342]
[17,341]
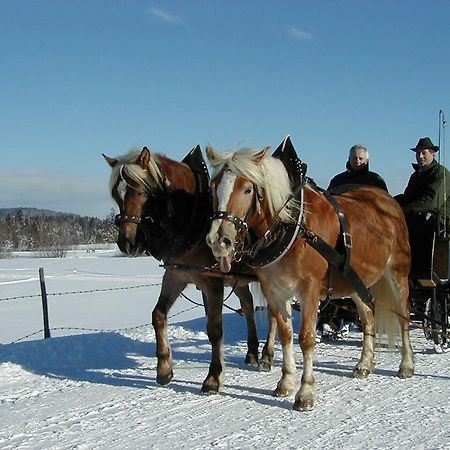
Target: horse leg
[287,382]
[246,299]
[304,399]
[214,291]
[366,362]
[170,290]
[265,364]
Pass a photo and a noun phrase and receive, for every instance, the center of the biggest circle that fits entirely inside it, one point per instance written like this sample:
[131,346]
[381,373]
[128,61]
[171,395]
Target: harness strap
[346,236]
[121,218]
[340,264]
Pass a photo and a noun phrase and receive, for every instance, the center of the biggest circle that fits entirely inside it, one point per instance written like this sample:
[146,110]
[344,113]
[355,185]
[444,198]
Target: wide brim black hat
[425,143]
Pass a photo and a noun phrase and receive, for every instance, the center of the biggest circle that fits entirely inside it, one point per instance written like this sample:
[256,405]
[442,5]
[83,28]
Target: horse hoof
[251,359]
[282,392]
[163,380]
[405,372]
[361,373]
[304,405]
[265,366]
[208,389]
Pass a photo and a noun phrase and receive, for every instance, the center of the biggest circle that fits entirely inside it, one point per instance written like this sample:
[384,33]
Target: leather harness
[276,242]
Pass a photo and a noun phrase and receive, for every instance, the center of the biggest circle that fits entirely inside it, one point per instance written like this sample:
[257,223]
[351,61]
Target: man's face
[424,157]
[358,159]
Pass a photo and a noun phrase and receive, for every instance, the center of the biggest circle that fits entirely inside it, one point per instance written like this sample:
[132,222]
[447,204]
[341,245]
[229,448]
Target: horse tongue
[224,263]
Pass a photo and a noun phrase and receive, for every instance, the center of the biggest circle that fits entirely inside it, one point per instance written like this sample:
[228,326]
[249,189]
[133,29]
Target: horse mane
[269,174]
[151,178]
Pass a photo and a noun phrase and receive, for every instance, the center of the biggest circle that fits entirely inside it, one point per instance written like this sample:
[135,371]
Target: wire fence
[87,291]
[43,295]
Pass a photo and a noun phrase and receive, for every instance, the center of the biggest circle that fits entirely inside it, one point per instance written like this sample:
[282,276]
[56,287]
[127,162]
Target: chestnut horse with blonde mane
[253,193]
[165,212]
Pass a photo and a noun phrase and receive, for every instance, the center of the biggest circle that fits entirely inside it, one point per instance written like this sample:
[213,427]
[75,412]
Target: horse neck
[262,219]
[319,215]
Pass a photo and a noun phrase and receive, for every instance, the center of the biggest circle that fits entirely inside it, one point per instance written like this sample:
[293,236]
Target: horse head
[245,198]
[164,204]
[133,181]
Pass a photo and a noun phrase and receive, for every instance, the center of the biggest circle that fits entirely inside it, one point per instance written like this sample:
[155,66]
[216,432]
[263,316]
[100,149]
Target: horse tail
[386,321]
[258,297]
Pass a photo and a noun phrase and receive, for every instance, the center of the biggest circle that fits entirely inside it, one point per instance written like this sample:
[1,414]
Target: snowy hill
[33,212]
[91,389]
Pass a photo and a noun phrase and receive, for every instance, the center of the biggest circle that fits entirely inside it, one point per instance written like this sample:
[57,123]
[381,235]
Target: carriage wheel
[436,329]
[427,324]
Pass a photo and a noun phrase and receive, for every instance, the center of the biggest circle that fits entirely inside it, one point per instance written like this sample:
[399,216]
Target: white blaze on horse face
[121,185]
[122,189]
[225,189]
[223,193]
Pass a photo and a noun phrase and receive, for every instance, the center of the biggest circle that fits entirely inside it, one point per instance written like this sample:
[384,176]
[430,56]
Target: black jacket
[362,176]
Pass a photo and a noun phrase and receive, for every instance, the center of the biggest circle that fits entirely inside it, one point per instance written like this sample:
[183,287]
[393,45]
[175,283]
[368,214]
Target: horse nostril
[225,242]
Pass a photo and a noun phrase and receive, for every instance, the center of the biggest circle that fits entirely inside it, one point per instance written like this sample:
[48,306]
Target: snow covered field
[88,389]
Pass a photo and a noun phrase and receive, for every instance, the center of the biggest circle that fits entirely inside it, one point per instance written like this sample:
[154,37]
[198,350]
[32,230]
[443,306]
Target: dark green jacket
[425,190]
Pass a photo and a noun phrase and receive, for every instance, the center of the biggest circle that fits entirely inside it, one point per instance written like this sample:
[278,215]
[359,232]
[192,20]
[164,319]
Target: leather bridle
[123,218]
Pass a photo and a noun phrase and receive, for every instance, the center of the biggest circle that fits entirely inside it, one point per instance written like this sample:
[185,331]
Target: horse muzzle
[223,249]
[129,240]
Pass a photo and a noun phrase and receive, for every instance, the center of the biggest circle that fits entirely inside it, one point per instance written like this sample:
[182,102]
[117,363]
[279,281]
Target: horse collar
[277,240]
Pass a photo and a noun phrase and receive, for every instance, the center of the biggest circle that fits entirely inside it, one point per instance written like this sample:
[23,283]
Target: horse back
[379,236]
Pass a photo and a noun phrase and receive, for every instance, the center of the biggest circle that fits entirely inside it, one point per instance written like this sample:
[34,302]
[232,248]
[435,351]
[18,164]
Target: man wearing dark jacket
[358,171]
[428,185]
[332,317]
[425,203]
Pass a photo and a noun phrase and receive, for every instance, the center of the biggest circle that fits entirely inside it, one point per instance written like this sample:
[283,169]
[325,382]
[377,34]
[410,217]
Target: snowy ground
[92,389]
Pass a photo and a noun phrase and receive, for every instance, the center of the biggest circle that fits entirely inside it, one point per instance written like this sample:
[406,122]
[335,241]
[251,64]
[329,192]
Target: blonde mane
[151,178]
[267,173]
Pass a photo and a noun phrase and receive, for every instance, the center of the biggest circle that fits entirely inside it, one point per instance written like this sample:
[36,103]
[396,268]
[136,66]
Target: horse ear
[144,158]
[262,154]
[111,161]
[212,155]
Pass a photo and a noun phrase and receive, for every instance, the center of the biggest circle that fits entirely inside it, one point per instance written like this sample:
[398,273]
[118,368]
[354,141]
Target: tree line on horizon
[54,233]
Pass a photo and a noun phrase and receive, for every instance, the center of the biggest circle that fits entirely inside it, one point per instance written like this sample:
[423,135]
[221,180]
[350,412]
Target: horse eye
[248,190]
[142,194]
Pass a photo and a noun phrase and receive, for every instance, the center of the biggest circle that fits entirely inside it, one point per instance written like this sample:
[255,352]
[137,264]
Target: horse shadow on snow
[114,359]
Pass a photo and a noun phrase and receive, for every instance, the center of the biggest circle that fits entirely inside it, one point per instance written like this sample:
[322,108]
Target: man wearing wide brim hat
[426,200]
[425,144]
[428,184]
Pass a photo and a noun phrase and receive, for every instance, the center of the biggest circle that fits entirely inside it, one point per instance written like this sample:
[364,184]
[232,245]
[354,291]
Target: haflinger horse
[253,199]
[165,210]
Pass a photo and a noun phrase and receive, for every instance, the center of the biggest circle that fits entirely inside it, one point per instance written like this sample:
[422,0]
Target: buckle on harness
[347,239]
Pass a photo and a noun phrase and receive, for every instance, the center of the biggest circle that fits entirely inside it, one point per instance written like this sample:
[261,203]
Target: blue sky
[81,78]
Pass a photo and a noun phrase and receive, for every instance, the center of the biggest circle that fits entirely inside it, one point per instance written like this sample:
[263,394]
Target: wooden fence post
[44,303]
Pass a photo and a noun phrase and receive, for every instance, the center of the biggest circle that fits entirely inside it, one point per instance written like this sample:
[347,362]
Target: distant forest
[34,230]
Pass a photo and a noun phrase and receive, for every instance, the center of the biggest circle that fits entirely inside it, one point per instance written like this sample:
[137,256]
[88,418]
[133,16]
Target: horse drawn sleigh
[166,209]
